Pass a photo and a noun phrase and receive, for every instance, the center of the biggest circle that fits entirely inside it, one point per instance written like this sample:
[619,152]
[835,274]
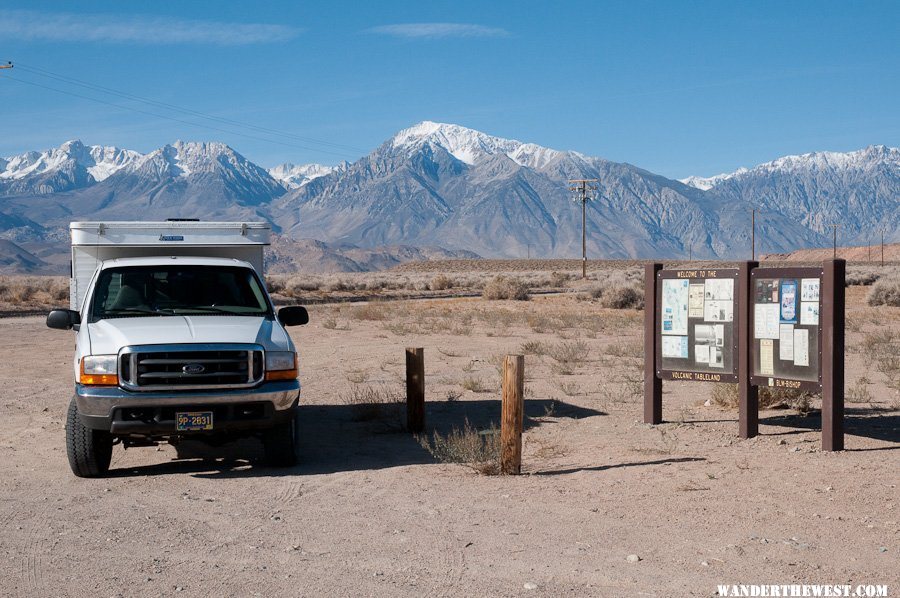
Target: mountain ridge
[462,189]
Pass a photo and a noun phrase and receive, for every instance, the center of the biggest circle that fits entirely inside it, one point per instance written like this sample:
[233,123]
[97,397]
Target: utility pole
[753,236]
[585,190]
[834,228]
[882,248]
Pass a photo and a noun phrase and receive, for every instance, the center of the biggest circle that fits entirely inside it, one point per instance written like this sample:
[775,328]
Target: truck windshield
[178,290]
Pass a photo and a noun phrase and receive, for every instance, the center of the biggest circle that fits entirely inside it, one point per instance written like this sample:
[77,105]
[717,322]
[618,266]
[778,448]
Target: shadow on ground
[337,438]
[878,424]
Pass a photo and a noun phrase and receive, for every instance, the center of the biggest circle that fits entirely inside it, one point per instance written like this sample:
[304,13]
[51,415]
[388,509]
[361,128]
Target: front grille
[148,368]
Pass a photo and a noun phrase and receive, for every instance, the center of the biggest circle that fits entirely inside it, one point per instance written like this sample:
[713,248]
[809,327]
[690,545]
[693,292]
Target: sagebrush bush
[441,283]
[478,450]
[726,395]
[625,297]
[503,287]
[860,277]
[376,403]
[885,292]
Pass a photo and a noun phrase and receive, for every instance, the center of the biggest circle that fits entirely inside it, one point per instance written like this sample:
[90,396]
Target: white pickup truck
[176,337]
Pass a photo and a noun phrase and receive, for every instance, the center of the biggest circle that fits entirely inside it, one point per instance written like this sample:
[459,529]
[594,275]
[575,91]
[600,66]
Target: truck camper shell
[95,242]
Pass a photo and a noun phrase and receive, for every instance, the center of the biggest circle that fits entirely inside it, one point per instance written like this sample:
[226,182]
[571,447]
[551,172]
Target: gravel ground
[369,512]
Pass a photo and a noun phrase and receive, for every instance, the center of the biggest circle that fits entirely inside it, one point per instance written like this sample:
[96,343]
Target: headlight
[99,370]
[281,365]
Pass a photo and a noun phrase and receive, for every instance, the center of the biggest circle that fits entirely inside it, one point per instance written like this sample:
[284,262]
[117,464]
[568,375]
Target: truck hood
[108,336]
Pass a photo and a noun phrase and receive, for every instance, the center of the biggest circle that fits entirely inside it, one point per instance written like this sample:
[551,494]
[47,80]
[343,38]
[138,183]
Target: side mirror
[294,315]
[63,319]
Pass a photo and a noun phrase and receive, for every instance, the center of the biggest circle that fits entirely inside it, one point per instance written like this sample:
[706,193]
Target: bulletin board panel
[786,327]
[696,314]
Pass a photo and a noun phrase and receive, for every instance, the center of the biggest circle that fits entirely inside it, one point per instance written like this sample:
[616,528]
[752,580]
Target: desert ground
[370,512]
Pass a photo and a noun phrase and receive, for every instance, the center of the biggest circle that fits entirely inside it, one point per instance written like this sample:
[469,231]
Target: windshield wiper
[137,310]
[210,308]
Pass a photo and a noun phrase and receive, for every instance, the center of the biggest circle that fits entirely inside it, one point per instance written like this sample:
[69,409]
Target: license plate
[194,420]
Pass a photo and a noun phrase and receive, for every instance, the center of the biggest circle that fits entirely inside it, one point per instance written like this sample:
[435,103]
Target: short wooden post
[748,395]
[652,383]
[415,389]
[831,361]
[512,418]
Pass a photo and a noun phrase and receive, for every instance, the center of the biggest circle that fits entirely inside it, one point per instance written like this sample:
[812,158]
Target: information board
[786,327]
[696,314]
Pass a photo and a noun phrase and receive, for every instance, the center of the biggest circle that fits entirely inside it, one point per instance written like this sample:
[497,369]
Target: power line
[171,118]
[197,113]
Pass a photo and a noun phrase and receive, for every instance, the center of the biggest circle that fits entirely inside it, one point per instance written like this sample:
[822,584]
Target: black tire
[281,443]
[89,451]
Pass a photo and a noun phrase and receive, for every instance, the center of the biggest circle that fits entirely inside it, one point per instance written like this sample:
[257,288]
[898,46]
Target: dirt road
[369,512]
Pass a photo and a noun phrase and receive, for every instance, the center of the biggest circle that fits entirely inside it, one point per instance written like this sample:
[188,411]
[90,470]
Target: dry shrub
[622,297]
[474,384]
[480,450]
[860,277]
[559,279]
[369,312]
[567,356]
[34,292]
[885,292]
[370,403]
[440,283]
[883,348]
[726,395]
[622,349]
[503,287]
[533,348]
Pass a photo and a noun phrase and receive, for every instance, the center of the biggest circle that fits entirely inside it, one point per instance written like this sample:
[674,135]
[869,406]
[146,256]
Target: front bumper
[152,413]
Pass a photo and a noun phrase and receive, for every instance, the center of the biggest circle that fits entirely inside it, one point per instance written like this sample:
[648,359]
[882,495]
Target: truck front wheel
[89,451]
[281,443]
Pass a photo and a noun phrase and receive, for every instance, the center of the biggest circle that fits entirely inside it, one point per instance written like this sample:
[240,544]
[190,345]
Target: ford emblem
[193,368]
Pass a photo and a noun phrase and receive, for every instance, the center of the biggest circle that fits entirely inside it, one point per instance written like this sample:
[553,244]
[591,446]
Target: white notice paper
[701,354]
[675,307]
[809,289]
[675,346]
[786,342]
[766,357]
[801,346]
[765,320]
[809,313]
[719,289]
[696,301]
[718,311]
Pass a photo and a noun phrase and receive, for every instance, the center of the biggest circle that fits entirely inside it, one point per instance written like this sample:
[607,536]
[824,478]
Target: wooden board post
[652,383]
[748,395]
[415,389]
[513,414]
[832,359]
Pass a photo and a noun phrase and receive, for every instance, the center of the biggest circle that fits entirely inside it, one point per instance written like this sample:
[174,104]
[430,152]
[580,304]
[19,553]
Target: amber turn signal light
[281,375]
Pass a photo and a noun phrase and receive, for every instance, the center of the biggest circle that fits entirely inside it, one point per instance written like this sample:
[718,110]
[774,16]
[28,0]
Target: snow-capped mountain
[183,179]
[463,189]
[470,146]
[295,176]
[707,183]
[445,185]
[860,190]
[70,166]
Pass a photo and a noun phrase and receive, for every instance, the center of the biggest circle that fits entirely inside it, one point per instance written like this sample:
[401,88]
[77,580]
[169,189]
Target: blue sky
[678,88]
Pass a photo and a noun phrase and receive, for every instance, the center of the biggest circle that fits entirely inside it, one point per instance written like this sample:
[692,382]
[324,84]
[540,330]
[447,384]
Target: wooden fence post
[415,389]
[513,414]
[652,383]
[748,395]
[832,359]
